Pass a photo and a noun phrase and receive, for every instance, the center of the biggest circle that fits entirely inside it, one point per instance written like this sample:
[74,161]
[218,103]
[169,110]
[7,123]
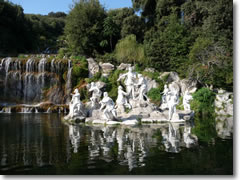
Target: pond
[43,144]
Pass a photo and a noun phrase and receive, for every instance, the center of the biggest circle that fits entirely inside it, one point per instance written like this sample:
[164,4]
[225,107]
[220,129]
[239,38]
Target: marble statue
[142,88]
[172,101]
[109,112]
[186,100]
[76,108]
[96,95]
[130,78]
[121,99]
[165,93]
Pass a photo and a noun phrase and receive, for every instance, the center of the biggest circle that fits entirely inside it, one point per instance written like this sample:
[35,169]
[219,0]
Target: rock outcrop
[93,67]
[106,68]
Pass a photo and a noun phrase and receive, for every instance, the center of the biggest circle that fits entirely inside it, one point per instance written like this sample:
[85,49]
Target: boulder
[152,70]
[172,76]
[107,68]
[151,83]
[93,67]
[224,103]
[185,84]
[123,66]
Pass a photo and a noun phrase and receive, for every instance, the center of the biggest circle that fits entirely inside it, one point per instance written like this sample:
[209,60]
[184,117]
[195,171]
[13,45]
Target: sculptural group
[134,99]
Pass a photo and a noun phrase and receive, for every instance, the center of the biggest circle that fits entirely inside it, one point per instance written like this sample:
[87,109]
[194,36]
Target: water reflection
[131,145]
[224,127]
[39,140]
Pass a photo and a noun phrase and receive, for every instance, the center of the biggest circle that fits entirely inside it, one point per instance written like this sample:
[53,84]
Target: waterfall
[7,67]
[30,65]
[27,80]
[49,110]
[2,62]
[25,110]
[52,66]
[69,80]
[6,110]
[36,110]
[41,70]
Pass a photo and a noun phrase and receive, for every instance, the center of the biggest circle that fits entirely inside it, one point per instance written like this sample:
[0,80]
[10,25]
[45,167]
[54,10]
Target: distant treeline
[191,37]
[28,33]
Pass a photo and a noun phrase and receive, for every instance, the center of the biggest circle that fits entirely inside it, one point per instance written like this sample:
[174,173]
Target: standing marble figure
[129,82]
[96,95]
[186,100]
[172,101]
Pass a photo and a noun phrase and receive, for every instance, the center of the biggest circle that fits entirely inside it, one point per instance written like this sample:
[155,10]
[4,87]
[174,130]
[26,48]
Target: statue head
[105,94]
[120,87]
[76,91]
[92,84]
[130,69]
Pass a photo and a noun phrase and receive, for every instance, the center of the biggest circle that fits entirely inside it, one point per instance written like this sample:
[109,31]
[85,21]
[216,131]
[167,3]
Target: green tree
[167,47]
[110,29]
[84,26]
[129,51]
[133,25]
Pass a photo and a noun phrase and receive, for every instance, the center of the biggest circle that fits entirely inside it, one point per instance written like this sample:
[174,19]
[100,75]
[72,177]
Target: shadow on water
[42,144]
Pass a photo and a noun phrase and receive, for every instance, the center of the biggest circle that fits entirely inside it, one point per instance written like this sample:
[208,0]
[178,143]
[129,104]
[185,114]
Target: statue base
[76,119]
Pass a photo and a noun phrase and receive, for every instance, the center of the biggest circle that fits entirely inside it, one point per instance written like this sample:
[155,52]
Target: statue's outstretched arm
[122,76]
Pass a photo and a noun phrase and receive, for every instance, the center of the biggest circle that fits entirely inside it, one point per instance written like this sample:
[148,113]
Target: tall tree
[84,26]
[110,29]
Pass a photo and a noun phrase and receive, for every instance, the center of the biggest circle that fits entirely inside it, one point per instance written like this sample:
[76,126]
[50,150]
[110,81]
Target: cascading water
[69,80]
[41,70]
[7,67]
[33,80]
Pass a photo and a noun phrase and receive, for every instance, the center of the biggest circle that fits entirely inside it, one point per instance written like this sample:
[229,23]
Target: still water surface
[43,144]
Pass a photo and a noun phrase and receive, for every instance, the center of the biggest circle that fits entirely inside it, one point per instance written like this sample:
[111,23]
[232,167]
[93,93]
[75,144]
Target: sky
[45,6]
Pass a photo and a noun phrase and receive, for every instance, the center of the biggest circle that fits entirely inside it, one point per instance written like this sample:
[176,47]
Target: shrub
[129,51]
[203,101]
[155,95]
[79,70]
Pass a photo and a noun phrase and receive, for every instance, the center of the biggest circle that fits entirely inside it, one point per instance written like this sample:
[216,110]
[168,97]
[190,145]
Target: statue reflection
[74,135]
[190,139]
[130,146]
[171,138]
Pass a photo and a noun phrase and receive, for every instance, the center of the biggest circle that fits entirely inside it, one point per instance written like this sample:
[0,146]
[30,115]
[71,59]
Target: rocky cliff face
[35,80]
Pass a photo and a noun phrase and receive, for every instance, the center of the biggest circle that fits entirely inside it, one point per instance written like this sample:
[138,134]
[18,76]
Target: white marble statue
[121,99]
[142,88]
[186,100]
[130,78]
[109,112]
[165,93]
[96,95]
[76,108]
[172,101]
